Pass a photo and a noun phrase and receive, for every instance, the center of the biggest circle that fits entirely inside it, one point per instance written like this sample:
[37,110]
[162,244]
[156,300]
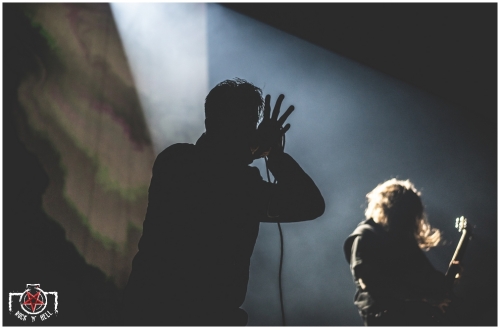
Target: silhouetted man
[205,206]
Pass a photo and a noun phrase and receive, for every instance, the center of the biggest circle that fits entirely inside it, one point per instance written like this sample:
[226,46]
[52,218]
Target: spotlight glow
[166,47]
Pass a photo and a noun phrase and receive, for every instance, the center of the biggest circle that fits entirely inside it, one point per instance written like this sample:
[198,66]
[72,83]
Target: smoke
[96,127]
[166,49]
[352,128]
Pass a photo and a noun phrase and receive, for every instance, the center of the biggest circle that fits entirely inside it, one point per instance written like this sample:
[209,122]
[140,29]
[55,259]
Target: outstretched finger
[285,129]
[283,118]
[267,107]
[277,107]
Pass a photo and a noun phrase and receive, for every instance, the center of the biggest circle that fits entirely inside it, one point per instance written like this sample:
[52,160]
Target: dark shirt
[394,269]
[202,223]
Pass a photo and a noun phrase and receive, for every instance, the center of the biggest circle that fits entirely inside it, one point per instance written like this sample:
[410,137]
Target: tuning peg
[461,223]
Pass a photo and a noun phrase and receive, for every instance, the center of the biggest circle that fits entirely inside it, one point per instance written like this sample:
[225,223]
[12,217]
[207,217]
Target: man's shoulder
[176,150]
[174,154]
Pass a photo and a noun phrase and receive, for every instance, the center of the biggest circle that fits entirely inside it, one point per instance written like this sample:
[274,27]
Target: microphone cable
[281,245]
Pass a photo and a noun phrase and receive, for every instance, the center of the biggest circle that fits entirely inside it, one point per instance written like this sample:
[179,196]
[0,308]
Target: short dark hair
[231,95]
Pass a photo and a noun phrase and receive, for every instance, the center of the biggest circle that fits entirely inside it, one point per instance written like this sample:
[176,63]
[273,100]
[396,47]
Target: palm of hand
[270,131]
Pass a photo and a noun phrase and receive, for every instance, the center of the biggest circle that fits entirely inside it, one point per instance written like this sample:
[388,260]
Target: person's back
[205,205]
[202,247]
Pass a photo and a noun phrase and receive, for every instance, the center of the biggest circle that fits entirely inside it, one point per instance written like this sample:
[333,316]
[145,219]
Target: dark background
[449,50]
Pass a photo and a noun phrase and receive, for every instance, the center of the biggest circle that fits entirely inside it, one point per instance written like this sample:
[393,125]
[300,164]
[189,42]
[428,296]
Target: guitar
[453,271]
[447,316]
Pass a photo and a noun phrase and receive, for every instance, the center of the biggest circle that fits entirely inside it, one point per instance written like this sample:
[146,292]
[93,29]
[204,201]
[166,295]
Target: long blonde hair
[396,205]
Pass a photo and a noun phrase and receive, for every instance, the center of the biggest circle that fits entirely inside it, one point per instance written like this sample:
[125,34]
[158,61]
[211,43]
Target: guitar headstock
[461,223]
[454,268]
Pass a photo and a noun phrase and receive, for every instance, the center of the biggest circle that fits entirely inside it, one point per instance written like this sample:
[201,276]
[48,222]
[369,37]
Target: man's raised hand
[270,131]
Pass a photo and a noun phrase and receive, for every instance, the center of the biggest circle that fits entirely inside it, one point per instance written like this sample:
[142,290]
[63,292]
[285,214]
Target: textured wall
[81,115]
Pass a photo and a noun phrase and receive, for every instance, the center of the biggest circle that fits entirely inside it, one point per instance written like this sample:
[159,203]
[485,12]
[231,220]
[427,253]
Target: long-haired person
[396,284]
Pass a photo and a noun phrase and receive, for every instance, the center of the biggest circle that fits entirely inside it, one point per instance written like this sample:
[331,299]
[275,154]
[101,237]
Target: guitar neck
[457,257]
[462,245]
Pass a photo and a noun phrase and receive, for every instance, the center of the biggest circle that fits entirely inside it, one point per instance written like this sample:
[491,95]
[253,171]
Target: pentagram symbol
[33,301]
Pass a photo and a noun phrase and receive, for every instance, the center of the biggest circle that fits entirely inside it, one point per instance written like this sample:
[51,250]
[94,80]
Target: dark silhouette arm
[295,197]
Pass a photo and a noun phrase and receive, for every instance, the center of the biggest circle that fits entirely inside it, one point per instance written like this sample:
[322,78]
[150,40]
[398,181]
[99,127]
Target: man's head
[396,205]
[233,109]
